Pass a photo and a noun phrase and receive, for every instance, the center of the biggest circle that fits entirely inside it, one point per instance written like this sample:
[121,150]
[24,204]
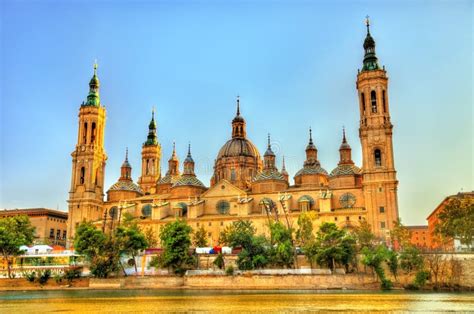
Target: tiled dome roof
[313,169]
[344,170]
[238,147]
[269,175]
[188,180]
[168,179]
[126,186]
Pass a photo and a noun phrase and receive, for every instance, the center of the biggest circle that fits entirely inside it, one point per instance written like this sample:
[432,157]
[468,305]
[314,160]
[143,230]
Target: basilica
[244,185]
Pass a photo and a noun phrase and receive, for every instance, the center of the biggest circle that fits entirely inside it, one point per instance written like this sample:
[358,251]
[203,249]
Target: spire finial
[367,23]
[344,135]
[153,113]
[310,136]
[174,148]
[126,154]
[268,140]
[189,149]
[238,105]
[95,67]
[283,168]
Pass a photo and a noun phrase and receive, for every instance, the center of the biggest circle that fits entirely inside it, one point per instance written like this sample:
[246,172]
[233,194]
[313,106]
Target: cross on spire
[238,105]
[367,23]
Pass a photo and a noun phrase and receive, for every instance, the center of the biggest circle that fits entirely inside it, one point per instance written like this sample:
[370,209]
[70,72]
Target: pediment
[224,189]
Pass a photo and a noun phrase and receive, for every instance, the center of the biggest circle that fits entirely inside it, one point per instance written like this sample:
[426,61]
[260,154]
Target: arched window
[373,101]
[378,157]
[223,207]
[232,175]
[93,131]
[267,205]
[362,96]
[113,211]
[305,203]
[84,134]
[384,102]
[184,209]
[82,176]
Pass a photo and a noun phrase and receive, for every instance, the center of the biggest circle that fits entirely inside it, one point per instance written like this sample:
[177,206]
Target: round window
[146,210]
[223,207]
[347,200]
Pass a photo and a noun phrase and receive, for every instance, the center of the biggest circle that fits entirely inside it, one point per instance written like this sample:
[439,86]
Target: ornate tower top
[151,138]
[126,169]
[269,151]
[188,163]
[238,123]
[93,99]
[370,59]
[311,151]
[345,150]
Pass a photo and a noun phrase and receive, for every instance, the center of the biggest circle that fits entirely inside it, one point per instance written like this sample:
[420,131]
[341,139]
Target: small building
[419,236]
[50,225]
[436,243]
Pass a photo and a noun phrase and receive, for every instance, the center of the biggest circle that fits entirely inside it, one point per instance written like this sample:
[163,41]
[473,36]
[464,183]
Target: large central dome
[238,161]
[238,147]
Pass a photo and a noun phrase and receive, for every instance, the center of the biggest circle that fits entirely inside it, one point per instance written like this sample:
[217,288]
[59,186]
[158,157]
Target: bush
[71,274]
[219,261]
[421,277]
[58,278]
[229,270]
[30,276]
[44,276]
[386,284]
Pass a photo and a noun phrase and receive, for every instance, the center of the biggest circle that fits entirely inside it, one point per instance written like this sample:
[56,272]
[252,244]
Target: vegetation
[229,271]
[411,259]
[374,259]
[400,235]
[104,251]
[304,233]
[14,232]
[200,237]
[175,241]
[219,261]
[456,221]
[282,251]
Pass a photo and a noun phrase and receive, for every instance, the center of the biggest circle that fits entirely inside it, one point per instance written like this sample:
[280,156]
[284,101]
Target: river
[113,301]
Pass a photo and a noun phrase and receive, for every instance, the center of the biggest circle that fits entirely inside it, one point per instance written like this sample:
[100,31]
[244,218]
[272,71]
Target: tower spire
[238,123]
[344,141]
[93,99]
[269,141]
[370,59]
[238,105]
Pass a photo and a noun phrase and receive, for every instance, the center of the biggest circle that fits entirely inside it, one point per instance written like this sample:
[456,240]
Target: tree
[374,258]
[150,237]
[200,237]
[130,241]
[456,220]
[411,259]
[392,262]
[254,253]
[175,240]
[304,233]
[332,246]
[400,235]
[14,232]
[364,236]
[282,251]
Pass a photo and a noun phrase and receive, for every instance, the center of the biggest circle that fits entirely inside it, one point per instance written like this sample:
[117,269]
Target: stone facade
[243,185]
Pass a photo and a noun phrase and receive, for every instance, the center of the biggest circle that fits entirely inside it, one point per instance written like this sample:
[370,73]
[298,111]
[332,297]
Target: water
[113,301]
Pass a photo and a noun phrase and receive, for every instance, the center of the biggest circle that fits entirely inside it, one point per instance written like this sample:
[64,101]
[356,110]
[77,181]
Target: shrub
[30,276]
[43,276]
[386,284]
[229,270]
[219,261]
[71,274]
[58,278]
[421,277]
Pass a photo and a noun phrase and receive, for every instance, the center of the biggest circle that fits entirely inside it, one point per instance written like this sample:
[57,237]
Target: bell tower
[88,162]
[151,157]
[375,132]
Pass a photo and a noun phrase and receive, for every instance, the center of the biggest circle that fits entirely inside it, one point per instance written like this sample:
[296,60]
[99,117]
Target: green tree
[200,237]
[392,263]
[304,233]
[282,251]
[14,232]
[175,240]
[130,241]
[456,220]
[151,238]
[374,259]
[254,253]
[400,234]
[411,259]
[332,246]
[99,249]
[364,236]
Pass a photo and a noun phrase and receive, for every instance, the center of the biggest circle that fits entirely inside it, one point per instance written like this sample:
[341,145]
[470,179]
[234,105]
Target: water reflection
[82,301]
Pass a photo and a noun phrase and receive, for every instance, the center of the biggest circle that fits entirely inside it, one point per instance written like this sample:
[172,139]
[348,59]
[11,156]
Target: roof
[313,169]
[345,170]
[168,179]
[269,175]
[126,186]
[33,212]
[238,147]
[188,180]
[417,227]
[447,198]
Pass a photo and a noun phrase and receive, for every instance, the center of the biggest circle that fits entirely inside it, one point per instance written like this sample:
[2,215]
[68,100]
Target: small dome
[188,180]
[313,169]
[345,170]
[238,118]
[126,186]
[369,42]
[168,179]
[94,81]
[237,147]
[269,175]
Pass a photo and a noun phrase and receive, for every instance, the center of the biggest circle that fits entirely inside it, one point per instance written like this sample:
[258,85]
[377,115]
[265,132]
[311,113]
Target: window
[373,101]
[383,101]
[347,218]
[362,96]
[382,225]
[232,175]
[209,224]
[146,211]
[51,233]
[223,207]
[197,224]
[83,174]
[222,223]
[84,134]
[360,217]
[64,235]
[93,131]
[382,210]
[335,218]
[58,234]
[378,157]
[305,203]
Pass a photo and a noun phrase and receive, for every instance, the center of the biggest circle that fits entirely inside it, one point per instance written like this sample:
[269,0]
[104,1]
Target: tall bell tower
[151,157]
[375,132]
[88,162]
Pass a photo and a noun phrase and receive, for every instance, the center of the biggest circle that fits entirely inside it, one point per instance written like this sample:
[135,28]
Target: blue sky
[294,64]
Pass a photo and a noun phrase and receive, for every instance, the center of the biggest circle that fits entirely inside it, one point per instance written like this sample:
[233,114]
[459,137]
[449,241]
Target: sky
[293,63]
